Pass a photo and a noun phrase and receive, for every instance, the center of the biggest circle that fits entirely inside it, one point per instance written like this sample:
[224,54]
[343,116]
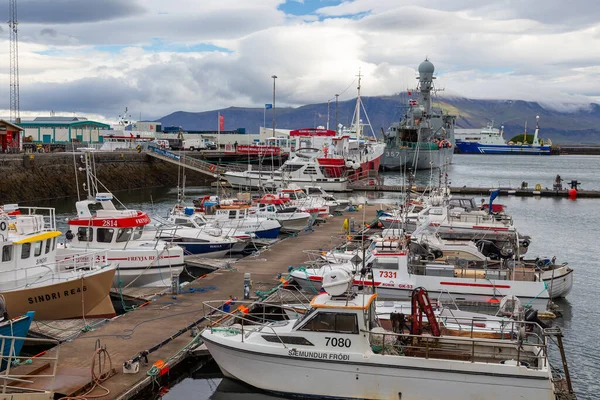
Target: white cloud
[158,57]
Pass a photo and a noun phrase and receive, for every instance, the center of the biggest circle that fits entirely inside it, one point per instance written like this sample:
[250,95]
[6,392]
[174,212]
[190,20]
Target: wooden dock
[170,316]
[483,191]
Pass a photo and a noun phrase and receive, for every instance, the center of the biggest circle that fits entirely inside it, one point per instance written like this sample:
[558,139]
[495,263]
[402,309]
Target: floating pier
[482,191]
[160,334]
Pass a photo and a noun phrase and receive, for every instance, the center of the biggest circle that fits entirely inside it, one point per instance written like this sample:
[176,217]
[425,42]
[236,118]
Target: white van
[194,144]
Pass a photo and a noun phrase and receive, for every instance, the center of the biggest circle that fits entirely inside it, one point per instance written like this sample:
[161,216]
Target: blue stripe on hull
[268,234]
[476,148]
[204,248]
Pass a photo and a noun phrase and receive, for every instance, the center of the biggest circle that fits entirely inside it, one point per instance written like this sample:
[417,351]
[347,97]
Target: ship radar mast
[426,70]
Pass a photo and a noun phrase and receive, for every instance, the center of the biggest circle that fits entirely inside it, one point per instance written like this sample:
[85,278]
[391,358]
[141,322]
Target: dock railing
[14,381]
[527,347]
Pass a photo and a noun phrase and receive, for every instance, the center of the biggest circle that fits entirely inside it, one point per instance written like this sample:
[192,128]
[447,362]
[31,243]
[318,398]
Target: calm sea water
[569,230]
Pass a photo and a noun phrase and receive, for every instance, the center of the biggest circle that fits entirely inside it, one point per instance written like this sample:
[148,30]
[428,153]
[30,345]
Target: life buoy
[538,187]
[2,226]
[213,167]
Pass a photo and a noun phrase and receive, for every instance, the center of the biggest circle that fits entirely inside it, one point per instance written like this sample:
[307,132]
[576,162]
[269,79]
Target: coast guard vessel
[424,138]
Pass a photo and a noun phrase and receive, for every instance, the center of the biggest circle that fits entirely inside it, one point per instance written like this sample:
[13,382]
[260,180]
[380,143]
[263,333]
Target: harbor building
[10,137]
[49,130]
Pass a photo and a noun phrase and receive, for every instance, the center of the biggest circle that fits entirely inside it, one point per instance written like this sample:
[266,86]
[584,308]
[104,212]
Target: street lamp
[274,77]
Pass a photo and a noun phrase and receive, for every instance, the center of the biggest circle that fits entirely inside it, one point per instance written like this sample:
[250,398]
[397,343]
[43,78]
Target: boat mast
[357,126]
[88,176]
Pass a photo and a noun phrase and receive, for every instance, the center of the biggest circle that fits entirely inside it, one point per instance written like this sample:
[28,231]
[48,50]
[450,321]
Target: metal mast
[15,114]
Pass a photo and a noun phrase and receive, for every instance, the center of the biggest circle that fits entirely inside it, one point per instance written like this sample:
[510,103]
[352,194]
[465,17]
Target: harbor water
[559,227]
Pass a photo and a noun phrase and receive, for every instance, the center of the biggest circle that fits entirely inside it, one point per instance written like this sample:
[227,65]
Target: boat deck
[168,316]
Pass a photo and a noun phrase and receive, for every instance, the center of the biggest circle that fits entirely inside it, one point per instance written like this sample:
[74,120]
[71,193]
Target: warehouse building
[50,130]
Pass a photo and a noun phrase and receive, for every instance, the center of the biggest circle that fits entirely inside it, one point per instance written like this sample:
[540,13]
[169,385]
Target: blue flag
[493,196]
[268,106]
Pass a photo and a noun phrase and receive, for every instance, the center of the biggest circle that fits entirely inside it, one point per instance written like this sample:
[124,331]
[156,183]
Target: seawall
[28,177]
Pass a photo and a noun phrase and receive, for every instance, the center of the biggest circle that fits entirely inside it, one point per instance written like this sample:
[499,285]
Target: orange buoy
[572,194]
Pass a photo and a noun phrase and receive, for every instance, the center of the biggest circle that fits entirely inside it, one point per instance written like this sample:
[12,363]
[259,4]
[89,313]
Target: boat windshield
[310,313]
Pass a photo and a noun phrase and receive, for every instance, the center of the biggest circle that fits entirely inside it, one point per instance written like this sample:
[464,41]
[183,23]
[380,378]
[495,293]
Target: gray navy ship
[424,137]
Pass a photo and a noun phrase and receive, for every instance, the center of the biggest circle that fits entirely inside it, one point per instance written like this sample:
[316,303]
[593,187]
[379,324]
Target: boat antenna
[76,177]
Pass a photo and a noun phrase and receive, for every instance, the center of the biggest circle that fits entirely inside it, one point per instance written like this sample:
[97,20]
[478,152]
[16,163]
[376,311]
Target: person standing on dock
[558,182]
[235,146]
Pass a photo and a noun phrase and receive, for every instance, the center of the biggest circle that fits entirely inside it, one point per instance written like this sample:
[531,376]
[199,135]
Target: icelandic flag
[268,106]
[493,196]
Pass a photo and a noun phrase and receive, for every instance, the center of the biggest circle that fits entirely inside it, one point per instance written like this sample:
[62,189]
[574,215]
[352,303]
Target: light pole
[336,112]
[274,77]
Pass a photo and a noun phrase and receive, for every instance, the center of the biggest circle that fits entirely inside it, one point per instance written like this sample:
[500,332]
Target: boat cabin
[28,241]
[98,222]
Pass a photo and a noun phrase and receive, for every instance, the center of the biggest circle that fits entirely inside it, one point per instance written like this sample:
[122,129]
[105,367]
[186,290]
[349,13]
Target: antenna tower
[15,114]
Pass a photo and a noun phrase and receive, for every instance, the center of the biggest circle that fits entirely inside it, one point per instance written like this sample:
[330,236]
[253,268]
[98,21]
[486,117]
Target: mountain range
[572,127]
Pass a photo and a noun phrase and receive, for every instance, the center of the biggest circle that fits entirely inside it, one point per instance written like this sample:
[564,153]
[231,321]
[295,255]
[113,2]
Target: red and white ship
[99,225]
[320,157]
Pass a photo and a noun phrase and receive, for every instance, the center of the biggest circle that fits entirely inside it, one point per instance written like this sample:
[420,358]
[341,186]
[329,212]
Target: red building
[10,137]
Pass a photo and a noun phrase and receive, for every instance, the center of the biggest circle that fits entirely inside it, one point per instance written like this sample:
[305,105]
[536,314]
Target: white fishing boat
[31,278]
[338,350]
[302,169]
[334,203]
[316,206]
[195,235]
[395,278]
[291,218]
[100,226]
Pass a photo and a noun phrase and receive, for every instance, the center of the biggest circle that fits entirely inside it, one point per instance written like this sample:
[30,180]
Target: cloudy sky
[94,58]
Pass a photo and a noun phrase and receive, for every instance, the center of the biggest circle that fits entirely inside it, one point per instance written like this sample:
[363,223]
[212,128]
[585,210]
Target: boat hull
[396,158]
[374,377]
[560,283]
[139,266]
[477,148]
[17,327]
[294,224]
[64,299]
[213,250]
[272,233]
[447,289]
[245,179]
